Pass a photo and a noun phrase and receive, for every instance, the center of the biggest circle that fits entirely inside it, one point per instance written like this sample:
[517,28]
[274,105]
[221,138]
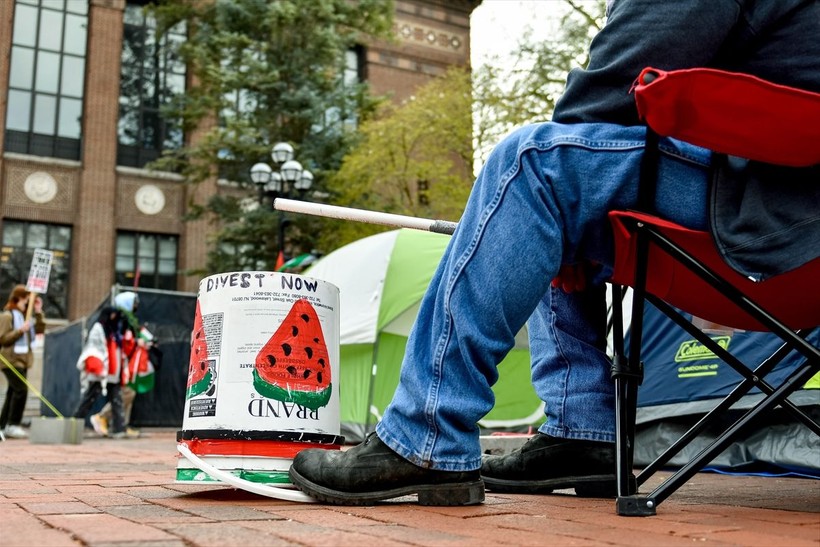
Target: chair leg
[627,375]
[795,381]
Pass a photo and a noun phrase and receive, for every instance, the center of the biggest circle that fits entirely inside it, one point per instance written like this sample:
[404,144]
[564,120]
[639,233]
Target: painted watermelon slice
[199,373]
[293,366]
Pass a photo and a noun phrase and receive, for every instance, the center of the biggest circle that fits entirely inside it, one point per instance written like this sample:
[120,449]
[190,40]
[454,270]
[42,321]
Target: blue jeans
[540,201]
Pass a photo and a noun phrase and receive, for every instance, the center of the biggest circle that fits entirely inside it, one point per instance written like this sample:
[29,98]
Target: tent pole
[371,388]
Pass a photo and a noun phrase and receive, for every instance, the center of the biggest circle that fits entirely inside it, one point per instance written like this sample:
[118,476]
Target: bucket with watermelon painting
[262,378]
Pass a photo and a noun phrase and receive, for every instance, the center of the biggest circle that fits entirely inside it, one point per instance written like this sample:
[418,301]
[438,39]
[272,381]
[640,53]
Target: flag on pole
[280,261]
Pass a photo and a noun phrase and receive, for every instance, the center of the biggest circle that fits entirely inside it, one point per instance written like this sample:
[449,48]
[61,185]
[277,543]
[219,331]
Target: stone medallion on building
[40,187]
[149,199]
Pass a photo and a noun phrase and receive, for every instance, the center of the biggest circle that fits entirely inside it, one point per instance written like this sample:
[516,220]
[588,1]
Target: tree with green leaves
[263,72]
[424,143]
[413,158]
[509,94]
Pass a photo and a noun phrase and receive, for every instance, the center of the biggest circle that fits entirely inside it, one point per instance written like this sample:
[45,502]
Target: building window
[47,78]
[345,116]
[147,260]
[152,75]
[20,239]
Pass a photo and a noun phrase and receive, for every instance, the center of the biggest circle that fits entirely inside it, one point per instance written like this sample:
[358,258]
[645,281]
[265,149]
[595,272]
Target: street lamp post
[290,176]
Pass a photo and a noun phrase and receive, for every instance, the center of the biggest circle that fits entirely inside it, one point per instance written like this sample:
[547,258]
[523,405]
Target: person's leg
[540,201]
[19,394]
[570,368]
[571,372]
[128,396]
[4,414]
[117,412]
[105,417]
[88,399]
[15,404]
[105,412]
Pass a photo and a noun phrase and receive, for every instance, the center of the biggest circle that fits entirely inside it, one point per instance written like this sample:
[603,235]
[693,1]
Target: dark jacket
[764,226]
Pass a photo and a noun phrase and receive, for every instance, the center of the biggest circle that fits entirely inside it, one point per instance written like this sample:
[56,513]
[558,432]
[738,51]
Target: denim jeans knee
[541,200]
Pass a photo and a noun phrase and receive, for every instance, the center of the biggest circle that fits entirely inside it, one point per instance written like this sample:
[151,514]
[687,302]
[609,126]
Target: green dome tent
[381,279]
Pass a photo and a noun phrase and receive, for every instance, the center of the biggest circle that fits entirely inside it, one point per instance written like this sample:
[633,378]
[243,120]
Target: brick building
[71,172]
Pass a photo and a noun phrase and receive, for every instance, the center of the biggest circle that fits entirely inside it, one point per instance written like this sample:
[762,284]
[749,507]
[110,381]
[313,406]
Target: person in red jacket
[127,303]
[101,367]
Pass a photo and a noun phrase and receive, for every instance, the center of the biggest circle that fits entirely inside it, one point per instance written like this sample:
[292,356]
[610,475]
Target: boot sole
[588,486]
[458,493]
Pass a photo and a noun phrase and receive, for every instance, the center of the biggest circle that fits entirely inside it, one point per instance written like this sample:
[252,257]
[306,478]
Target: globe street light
[274,184]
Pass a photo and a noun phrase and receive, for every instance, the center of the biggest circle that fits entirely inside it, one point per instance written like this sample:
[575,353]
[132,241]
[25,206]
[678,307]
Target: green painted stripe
[264,477]
[695,374]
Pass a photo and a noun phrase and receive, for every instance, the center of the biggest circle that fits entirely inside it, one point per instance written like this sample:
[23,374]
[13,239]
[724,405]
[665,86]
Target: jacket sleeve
[39,323]
[640,33]
[8,336]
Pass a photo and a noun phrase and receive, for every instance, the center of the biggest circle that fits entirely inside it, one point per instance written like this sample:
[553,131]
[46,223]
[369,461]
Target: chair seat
[793,297]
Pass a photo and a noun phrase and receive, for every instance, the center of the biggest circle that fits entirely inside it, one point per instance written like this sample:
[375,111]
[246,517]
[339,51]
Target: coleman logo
[692,350]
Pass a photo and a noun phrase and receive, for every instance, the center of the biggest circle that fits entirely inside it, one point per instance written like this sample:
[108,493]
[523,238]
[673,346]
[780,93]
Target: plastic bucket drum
[263,379]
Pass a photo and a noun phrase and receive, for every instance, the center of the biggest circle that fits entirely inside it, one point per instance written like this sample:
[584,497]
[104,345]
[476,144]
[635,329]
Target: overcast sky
[496,25]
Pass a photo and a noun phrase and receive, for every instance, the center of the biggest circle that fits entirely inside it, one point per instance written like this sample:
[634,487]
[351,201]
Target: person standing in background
[127,303]
[101,364]
[17,337]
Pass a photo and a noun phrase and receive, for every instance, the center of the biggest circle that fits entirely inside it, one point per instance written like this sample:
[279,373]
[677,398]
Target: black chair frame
[627,368]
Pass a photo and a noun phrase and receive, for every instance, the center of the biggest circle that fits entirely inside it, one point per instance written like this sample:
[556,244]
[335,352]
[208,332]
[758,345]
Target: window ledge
[42,160]
[148,174]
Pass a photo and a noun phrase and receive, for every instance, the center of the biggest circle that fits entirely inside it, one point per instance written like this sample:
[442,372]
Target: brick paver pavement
[106,492]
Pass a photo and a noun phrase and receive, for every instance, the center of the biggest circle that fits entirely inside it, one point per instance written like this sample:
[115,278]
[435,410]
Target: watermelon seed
[271,360]
[316,340]
[202,365]
[294,330]
[319,377]
[287,349]
[292,370]
[322,361]
[305,318]
[309,352]
[306,374]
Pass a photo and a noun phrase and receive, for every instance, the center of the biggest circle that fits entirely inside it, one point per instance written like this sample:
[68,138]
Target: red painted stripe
[269,449]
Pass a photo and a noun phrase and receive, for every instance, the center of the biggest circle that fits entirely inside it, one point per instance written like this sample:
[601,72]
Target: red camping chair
[673,267]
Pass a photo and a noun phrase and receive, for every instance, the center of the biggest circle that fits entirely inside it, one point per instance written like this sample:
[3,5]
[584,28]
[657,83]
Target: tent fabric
[777,443]
[679,369]
[381,280]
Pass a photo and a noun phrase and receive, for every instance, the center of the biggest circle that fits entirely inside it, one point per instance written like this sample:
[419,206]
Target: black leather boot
[372,472]
[547,463]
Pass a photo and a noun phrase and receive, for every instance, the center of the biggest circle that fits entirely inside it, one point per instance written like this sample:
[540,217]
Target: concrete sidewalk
[107,492]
